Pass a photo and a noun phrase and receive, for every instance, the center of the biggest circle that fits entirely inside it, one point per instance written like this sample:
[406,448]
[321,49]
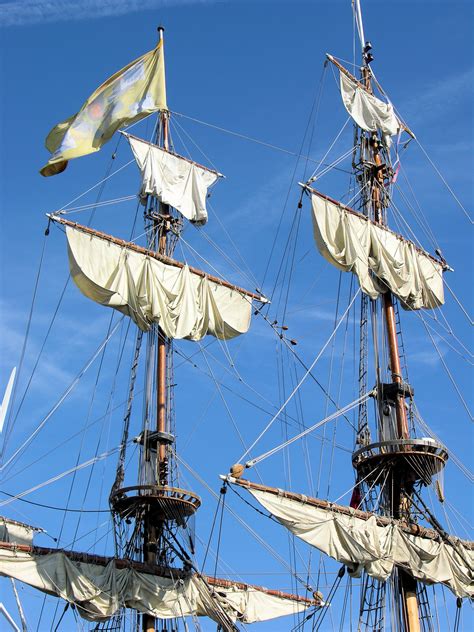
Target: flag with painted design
[129,95]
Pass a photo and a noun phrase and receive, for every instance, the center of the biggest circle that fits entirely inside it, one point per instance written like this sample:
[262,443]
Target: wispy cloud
[433,101]
[28,12]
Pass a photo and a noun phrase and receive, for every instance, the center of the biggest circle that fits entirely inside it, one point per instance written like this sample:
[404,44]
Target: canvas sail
[369,112]
[172,179]
[377,256]
[100,591]
[183,303]
[364,542]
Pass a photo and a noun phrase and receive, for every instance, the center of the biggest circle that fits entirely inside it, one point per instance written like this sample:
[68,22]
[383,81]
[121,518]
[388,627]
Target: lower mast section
[156,508]
[395,463]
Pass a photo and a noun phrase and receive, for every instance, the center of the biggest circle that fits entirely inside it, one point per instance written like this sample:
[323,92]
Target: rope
[250,138]
[96,185]
[453,381]
[221,521]
[41,350]
[62,398]
[83,465]
[120,473]
[334,415]
[211,533]
[457,461]
[30,502]
[86,207]
[254,534]
[303,379]
[9,425]
[444,182]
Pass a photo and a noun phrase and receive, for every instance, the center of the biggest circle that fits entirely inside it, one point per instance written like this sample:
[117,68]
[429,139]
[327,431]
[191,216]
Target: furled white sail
[366,545]
[101,591]
[18,532]
[173,180]
[376,255]
[368,111]
[184,304]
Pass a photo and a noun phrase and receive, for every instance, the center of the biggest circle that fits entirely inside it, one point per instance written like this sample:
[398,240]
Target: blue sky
[253,68]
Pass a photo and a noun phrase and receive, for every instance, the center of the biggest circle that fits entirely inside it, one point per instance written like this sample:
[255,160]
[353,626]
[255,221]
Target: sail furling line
[173,179]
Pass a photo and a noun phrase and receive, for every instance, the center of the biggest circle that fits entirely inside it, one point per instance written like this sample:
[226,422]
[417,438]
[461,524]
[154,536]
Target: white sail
[184,304]
[18,532]
[6,398]
[366,545]
[369,112]
[173,180]
[376,255]
[101,591]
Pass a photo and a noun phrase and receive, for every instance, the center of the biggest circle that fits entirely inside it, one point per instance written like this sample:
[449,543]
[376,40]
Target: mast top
[161,30]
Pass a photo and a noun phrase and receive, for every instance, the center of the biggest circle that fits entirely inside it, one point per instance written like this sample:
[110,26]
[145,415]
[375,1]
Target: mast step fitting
[159,502]
[407,460]
[154,438]
[395,390]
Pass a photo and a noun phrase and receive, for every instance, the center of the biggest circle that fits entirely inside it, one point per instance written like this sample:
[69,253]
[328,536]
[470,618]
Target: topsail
[378,257]
[368,112]
[172,179]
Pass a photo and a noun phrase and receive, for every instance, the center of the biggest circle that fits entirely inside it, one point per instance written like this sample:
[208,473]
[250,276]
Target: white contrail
[27,12]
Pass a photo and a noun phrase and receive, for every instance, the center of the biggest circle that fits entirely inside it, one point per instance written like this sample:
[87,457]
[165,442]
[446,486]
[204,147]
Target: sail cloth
[182,303]
[365,545]
[128,96]
[173,180]
[378,257]
[369,112]
[18,532]
[99,591]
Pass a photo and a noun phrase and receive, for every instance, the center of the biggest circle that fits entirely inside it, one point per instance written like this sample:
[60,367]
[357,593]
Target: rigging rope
[62,398]
[444,181]
[254,534]
[8,425]
[303,379]
[53,479]
[448,372]
[331,417]
[38,357]
[250,138]
[120,473]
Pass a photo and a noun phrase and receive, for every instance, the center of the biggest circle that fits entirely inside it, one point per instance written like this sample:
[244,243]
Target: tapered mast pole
[407,584]
[161,369]
[152,531]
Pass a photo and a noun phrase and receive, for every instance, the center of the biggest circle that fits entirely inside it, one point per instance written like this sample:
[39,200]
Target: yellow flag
[131,94]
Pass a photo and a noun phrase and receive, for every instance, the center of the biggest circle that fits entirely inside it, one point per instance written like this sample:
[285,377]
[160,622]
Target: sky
[237,73]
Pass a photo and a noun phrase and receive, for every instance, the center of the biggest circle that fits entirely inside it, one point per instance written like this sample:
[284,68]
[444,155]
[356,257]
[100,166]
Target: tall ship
[381,555]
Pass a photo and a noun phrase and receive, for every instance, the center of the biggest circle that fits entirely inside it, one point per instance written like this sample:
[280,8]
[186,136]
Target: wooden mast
[407,583]
[152,532]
